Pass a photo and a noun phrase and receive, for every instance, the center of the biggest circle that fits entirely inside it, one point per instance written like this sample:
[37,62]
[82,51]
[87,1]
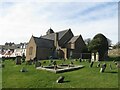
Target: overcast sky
[20,19]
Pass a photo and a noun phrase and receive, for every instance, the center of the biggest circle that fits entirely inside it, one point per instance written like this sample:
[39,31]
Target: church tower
[49,31]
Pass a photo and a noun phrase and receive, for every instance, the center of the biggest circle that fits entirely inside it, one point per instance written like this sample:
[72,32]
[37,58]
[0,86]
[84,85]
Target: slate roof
[52,35]
[7,47]
[45,43]
[73,39]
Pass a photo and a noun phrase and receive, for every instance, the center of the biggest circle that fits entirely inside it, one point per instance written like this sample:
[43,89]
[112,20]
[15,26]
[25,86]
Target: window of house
[30,50]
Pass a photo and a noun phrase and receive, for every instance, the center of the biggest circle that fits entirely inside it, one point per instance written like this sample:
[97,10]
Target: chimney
[56,40]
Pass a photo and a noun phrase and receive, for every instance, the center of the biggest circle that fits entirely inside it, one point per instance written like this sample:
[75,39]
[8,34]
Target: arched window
[30,50]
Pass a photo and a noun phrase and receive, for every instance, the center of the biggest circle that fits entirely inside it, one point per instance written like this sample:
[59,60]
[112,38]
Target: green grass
[82,78]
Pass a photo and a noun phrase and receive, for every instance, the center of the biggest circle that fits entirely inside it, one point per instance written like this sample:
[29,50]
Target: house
[13,50]
[20,49]
[62,44]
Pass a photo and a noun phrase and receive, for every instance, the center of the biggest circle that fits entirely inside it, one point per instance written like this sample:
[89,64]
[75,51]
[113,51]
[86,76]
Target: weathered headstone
[2,65]
[29,62]
[97,56]
[54,63]
[51,61]
[80,59]
[71,63]
[115,63]
[37,64]
[103,68]
[68,65]
[55,67]
[75,59]
[44,62]
[23,69]
[18,60]
[118,65]
[50,57]
[98,65]
[23,58]
[91,64]
[110,66]
[60,79]
[35,60]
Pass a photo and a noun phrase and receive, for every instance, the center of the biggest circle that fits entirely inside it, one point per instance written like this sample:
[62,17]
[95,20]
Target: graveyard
[87,77]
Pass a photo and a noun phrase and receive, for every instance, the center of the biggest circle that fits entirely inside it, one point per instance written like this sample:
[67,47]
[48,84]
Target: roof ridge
[63,30]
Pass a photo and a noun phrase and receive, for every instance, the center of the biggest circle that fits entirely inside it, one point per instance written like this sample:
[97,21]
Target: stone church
[62,44]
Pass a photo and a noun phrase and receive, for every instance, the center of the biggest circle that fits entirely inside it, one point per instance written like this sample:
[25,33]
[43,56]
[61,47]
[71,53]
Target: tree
[117,45]
[85,49]
[99,44]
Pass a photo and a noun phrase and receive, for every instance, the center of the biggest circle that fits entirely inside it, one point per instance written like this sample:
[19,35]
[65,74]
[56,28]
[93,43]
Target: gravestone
[51,61]
[55,67]
[2,65]
[29,62]
[44,62]
[71,63]
[23,69]
[97,56]
[115,63]
[91,64]
[93,57]
[103,68]
[37,64]
[54,63]
[50,57]
[118,65]
[75,59]
[60,79]
[80,59]
[98,65]
[18,60]
[35,60]
[110,66]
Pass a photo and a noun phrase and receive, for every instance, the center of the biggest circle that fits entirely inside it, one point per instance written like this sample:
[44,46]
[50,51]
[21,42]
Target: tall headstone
[93,57]
[110,66]
[91,64]
[18,60]
[103,68]
[80,59]
[97,56]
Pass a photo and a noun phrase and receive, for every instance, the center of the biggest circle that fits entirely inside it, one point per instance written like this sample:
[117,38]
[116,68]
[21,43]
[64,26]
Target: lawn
[83,78]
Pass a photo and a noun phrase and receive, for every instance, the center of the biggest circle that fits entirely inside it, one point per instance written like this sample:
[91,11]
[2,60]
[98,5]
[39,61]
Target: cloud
[19,20]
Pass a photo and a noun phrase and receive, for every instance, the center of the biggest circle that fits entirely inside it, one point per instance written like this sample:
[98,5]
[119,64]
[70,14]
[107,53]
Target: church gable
[31,49]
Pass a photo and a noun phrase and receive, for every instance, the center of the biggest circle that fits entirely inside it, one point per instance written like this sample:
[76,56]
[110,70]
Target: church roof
[73,39]
[52,35]
[41,42]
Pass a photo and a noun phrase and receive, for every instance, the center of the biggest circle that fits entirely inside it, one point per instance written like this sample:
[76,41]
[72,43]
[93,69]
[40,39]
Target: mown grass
[83,78]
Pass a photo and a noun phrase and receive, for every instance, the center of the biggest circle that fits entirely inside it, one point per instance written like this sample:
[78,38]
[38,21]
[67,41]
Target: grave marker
[60,79]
